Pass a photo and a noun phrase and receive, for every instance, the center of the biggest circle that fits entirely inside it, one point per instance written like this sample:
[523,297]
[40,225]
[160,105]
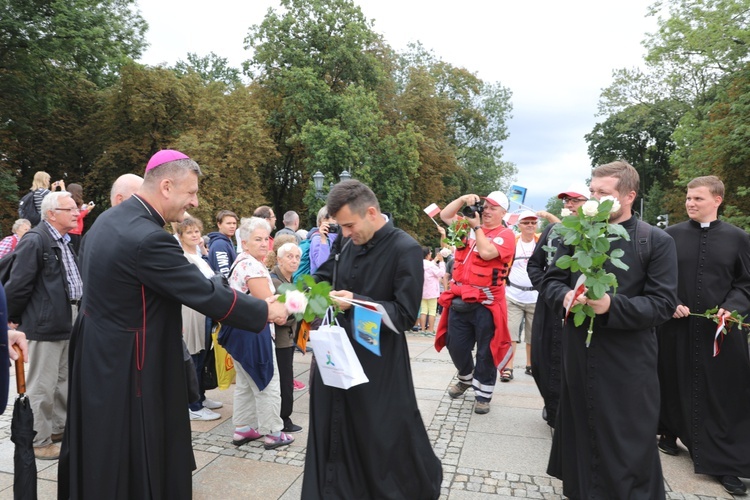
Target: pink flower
[296,302]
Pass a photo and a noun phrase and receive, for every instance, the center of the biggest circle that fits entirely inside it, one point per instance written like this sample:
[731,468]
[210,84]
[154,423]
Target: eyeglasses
[528,222]
[74,210]
[568,199]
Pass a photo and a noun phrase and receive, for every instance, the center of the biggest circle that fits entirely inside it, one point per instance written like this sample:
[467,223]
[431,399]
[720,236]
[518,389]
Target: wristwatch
[477,228]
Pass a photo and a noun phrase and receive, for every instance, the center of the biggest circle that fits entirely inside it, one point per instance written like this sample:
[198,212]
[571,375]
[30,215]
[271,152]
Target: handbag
[222,361]
[209,379]
[335,358]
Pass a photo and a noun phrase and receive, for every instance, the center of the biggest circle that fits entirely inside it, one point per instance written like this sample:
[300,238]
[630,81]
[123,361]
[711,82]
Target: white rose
[296,302]
[615,203]
[565,212]
[590,208]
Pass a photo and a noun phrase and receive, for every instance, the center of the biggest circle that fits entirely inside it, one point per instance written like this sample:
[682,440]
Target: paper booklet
[373,306]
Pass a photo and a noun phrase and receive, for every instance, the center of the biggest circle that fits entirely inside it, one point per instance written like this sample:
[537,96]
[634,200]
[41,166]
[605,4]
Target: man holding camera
[474,307]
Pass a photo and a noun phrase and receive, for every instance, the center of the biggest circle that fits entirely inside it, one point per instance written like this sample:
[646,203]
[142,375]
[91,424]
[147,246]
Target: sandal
[506,375]
[271,442]
[528,370]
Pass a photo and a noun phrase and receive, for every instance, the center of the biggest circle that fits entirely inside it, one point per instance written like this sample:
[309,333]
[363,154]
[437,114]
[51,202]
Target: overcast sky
[555,57]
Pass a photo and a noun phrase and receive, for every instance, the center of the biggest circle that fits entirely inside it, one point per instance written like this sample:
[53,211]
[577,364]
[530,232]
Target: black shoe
[668,445]
[292,428]
[733,485]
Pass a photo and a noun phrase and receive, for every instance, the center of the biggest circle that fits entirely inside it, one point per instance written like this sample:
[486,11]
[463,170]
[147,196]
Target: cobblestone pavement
[459,439]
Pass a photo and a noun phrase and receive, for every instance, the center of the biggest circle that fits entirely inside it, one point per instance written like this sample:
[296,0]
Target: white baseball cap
[497,198]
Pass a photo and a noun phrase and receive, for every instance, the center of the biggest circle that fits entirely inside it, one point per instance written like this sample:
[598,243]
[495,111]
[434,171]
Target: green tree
[210,68]
[319,64]
[54,55]
[641,134]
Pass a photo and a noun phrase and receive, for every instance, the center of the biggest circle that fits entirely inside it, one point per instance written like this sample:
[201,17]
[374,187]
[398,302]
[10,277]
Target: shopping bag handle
[20,375]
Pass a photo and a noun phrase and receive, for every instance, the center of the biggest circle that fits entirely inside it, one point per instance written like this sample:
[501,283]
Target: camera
[333,228]
[470,210]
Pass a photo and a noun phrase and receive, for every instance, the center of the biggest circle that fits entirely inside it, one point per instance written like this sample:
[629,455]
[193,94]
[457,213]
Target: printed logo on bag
[329,361]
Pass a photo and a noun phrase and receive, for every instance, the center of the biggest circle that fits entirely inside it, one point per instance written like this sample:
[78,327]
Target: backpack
[304,261]
[6,263]
[27,209]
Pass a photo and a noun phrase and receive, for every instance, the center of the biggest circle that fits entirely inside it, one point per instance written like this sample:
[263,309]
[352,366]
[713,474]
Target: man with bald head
[124,187]
[128,434]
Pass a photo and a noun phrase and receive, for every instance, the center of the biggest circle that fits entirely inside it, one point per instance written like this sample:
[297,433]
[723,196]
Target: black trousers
[285,361]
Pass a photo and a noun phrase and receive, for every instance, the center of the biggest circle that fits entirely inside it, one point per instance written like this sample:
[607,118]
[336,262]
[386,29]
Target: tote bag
[336,360]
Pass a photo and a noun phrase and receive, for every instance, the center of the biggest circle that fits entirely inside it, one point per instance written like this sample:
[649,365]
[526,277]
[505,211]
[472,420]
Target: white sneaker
[211,404]
[203,414]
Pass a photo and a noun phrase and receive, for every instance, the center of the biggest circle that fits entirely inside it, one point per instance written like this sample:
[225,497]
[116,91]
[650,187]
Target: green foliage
[211,69]
[457,233]
[318,297]
[327,94]
[590,237]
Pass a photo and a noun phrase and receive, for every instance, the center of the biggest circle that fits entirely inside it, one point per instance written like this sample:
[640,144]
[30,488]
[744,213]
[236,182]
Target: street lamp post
[318,179]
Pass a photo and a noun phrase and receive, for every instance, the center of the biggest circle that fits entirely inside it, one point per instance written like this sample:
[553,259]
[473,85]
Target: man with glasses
[520,295]
[474,309]
[44,291]
[547,327]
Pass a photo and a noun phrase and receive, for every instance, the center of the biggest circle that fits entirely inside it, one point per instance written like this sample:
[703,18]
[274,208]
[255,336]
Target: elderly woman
[8,244]
[287,261]
[257,398]
[196,330]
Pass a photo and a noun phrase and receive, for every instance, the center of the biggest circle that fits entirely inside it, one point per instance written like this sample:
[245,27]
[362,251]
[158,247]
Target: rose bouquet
[590,234]
[457,232]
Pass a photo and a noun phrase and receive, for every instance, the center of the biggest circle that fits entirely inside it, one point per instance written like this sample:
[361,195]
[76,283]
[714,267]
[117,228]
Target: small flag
[511,219]
[432,210]
[517,194]
[579,288]
[367,328]
[718,337]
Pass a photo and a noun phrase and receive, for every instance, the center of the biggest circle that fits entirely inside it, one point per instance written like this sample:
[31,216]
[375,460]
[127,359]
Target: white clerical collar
[705,224]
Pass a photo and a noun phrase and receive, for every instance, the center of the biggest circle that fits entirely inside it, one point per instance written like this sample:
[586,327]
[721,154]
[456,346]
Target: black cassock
[546,331]
[128,430]
[370,441]
[706,399]
[604,444]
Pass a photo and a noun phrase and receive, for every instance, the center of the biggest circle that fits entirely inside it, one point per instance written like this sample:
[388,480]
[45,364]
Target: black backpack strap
[643,242]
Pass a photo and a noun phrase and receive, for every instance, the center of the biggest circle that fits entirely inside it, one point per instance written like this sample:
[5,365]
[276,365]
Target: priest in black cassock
[604,444]
[128,430]
[705,399]
[369,442]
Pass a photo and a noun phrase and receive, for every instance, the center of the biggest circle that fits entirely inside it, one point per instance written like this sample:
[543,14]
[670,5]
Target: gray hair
[175,169]
[20,222]
[250,225]
[290,217]
[322,214]
[52,201]
[286,248]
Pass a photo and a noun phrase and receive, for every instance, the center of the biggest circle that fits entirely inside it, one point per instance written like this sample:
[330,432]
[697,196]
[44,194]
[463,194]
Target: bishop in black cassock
[128,430]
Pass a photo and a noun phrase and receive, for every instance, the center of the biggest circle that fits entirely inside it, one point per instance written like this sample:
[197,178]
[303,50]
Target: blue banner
[517,194]
[367,328]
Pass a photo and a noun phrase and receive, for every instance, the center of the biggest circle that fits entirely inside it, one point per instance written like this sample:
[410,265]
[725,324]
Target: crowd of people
[104,348]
